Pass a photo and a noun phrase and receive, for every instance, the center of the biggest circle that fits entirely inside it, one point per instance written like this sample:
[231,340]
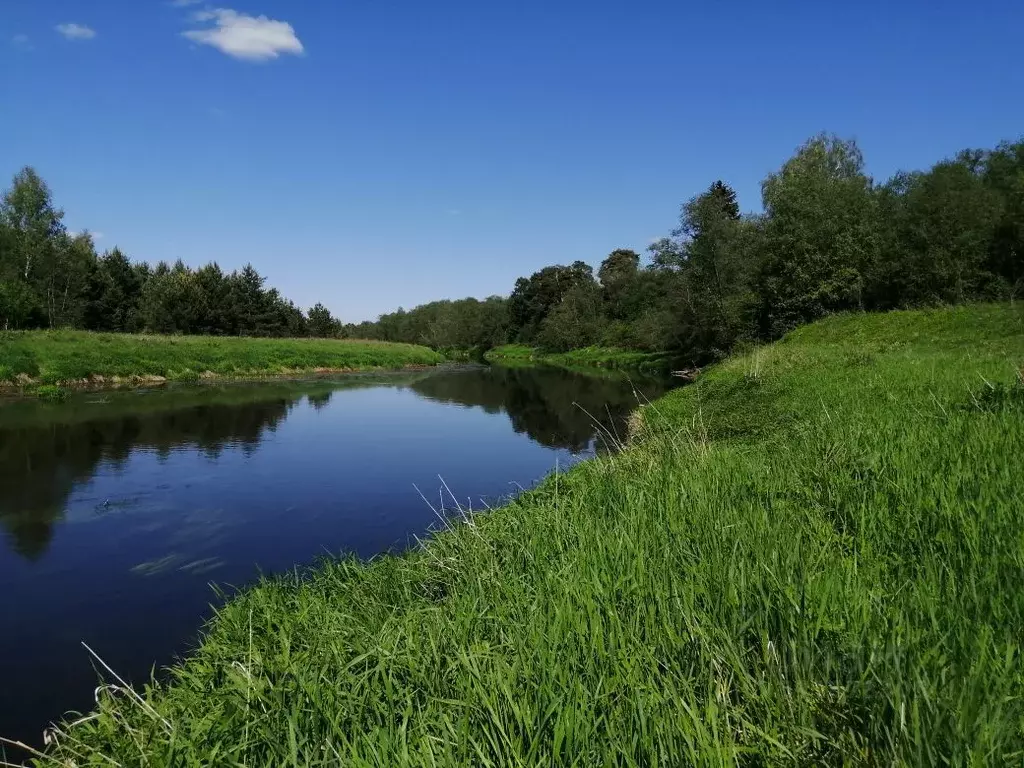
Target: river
[118,510]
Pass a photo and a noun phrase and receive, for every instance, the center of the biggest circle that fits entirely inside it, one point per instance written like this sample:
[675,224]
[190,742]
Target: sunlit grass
[52,357]
[812,556]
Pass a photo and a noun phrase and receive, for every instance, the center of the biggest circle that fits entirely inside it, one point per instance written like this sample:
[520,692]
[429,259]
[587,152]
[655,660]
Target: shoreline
[747,540]
[29,388]
[50,363]
[605,358]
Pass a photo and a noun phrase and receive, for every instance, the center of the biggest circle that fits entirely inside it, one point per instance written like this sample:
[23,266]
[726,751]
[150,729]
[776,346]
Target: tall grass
[53,357]
[812,556]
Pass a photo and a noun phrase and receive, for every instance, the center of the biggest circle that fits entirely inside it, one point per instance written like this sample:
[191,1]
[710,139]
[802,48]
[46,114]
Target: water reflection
[555,407]
[118,509]
[41,466]
[47,450]
[320,400]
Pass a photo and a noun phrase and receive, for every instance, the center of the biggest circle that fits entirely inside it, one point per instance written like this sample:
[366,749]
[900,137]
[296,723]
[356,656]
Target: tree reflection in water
[47,450]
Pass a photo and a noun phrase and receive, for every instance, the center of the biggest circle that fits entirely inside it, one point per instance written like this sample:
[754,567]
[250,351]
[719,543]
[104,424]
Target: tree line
[828,239]
[50,278]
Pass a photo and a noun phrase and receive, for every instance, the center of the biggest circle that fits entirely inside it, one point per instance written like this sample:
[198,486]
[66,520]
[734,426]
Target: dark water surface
[118,510]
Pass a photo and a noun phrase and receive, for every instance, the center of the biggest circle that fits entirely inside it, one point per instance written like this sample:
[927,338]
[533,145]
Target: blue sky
[371,154]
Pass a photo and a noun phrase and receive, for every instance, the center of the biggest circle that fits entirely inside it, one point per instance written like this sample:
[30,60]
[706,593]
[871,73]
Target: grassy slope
[50,357]
[603,357]
[815,552]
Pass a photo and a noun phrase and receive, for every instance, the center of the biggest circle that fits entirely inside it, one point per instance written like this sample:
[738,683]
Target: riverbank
[810,556]
[599,357]
[66,359]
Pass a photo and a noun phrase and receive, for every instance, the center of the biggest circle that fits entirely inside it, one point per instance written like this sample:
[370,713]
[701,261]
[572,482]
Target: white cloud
[245,37]
[76,31]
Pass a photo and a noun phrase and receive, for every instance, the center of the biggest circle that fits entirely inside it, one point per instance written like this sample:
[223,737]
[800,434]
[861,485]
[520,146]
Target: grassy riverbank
[811,556]
[600,357]
[81,357]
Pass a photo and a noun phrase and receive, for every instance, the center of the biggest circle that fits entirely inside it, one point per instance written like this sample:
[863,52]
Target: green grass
[601,357]
[61,357]
[814,555]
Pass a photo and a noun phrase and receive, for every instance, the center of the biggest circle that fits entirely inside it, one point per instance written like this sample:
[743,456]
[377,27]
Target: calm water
[118,510]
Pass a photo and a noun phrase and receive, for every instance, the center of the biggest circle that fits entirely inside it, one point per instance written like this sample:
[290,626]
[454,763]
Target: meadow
[70,357]
[813,555]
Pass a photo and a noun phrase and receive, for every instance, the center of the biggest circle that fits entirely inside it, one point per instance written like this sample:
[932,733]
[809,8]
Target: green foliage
[609,357]
[50,392]
[511,353]
[172,301]
[17,303]
[1003,174]
[34,227]
[464,324]
[575,322]
[946,230]
[714,287]
[819,237]
[51,280]
[599,357]
[830,240]
[618,274]
[535,297]
[54,357]
[831,577]
[115,292]
[322,323]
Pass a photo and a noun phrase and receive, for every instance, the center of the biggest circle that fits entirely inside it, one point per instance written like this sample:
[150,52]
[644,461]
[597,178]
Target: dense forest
[828,239]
